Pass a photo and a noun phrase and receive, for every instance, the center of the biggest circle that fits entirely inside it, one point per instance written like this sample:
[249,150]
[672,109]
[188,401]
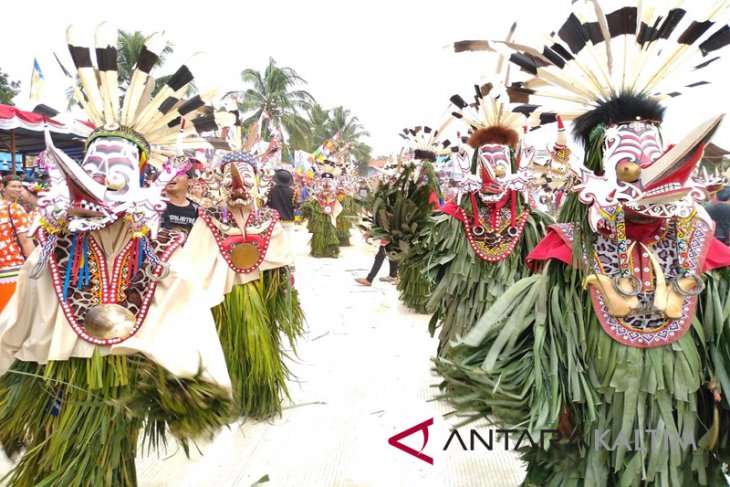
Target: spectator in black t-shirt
[181,212]
[720,212]
[283,199]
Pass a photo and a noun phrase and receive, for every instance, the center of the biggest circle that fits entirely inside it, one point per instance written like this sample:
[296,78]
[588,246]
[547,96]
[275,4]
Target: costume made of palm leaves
[404,212]
[402,206]
[324,241]
[413,286]
[79,421]
[540,360]
[478,242]
[243,256]
[346,218]
[465,286]
[324,208]
[620,347]
[103,337]
[257,347]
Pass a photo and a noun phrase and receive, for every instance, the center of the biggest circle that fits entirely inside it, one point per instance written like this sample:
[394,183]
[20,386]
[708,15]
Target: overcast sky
[385,60]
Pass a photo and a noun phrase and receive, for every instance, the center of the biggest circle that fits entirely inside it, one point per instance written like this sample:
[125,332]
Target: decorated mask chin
[647,181]
[494,227]
[106,186]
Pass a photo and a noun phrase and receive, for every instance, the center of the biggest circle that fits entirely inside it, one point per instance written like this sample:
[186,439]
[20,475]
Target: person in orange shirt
[15,245]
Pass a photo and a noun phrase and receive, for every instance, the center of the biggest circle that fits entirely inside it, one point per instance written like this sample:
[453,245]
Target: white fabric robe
[212,271]
[178,333]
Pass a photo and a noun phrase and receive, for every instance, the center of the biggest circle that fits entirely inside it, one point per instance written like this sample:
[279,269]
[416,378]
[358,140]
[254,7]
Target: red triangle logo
[395,440]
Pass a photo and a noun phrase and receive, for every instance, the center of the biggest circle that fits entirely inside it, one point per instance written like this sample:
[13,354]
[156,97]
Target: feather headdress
[331,162]
[154,123]
[425,143]
[329,169]
[492,119]
[620,63]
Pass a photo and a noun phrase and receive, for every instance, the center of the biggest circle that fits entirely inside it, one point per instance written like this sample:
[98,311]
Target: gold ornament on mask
[628,172]
[115,182]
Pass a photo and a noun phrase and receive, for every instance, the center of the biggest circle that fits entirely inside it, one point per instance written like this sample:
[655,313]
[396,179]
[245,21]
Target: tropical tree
[274,98]
[8,89]
[349,127]
[326,123]
[129,46]
[363,155]
[320,126]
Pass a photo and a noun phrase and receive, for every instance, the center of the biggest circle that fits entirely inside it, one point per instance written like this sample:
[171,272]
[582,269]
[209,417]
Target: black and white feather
[427,143]
[491,107]
[169,121]
[651,48]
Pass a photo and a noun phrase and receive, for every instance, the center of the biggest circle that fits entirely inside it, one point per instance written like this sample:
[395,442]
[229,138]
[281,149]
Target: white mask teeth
[88,205]
[665,188]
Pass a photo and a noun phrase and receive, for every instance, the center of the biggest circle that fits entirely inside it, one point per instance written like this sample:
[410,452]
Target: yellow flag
[36,82]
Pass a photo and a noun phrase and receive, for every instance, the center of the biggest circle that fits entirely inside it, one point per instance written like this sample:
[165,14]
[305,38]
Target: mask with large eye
[239,178]
[240,182]
[227,181]
[495,169]
[105,183]
[629,148]
[113,162]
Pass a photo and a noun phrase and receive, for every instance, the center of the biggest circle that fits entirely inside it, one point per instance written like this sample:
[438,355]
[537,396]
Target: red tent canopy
[22,132]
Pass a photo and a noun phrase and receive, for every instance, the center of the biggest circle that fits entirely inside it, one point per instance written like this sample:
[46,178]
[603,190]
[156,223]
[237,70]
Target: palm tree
[129,46]
[363,154]
[349,126]
[320,126]
[340,119]
[272,95]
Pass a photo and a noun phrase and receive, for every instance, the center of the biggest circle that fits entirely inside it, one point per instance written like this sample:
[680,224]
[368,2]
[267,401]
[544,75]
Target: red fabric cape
[554,247]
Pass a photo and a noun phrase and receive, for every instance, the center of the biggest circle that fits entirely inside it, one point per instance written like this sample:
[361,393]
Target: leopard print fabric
[605,256]
[645,328]
[105,285]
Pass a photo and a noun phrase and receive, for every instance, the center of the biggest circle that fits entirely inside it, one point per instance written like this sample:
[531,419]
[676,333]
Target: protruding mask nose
[78,180]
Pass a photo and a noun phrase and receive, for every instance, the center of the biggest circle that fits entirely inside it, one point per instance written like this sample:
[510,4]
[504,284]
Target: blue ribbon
[84,275]
[69,266]
[140,253]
